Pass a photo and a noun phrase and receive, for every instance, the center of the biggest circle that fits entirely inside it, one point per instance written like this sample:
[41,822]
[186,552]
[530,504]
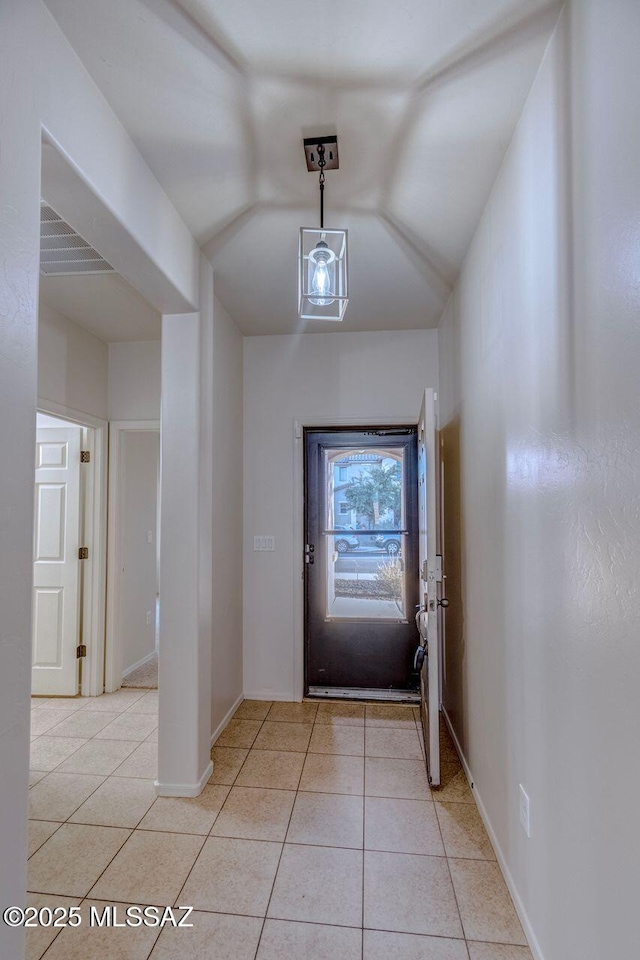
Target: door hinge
[81,651]
[85,456]
[83,553]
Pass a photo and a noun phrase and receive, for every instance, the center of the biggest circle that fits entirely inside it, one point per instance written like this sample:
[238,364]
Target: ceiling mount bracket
[312,156]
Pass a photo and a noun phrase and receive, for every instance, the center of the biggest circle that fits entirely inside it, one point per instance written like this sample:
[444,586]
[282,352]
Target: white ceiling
[218,94]
[104,304]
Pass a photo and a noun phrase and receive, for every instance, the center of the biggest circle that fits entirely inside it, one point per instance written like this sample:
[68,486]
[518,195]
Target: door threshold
[364,693]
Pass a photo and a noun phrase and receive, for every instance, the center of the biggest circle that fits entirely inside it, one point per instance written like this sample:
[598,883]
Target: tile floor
[317,837]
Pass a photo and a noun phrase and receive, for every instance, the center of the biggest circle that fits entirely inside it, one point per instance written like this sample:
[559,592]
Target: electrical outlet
[525,813]
[148,617]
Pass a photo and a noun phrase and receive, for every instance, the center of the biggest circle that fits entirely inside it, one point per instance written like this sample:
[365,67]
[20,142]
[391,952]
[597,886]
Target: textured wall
[134,380]
[227,515]
[539,353]
[72,364]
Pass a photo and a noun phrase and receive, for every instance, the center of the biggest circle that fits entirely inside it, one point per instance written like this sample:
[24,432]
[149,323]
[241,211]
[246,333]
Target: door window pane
[364,533]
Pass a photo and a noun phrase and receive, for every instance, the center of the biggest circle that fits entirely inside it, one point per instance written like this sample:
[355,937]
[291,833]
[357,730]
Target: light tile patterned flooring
[317,837]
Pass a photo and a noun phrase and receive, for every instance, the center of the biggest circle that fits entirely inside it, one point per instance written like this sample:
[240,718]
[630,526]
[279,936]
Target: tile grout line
[208,835]
[86,896]
[291,843]
[311,923]
[75,810]
[455,896]
[84,741]
[82,899]
[333,793]
[105,777]
[44,841]
[275,876]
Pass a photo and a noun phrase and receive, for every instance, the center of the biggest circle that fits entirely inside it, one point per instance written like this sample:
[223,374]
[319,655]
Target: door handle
[443,603]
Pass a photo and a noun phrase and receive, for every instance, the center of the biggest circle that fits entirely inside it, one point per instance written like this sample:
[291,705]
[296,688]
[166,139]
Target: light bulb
[322,274]
[321,280]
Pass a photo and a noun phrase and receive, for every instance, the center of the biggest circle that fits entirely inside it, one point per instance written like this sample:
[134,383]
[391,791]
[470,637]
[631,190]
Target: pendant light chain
[321,163]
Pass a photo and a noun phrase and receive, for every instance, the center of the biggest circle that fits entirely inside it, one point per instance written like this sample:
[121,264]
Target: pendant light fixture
[322,258]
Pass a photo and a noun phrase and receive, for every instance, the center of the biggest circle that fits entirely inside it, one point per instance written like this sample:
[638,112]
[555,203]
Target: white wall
[139,463]
[43,83]
[227,515]
[115,381]
[134,380]
[186,569]
[326,376]
[72,364]
[540,352]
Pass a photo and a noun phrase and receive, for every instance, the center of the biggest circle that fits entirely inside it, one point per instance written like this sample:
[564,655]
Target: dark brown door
[361,553]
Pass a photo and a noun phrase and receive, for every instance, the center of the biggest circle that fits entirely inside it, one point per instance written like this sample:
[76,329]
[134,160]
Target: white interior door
[430,580]
[56,565]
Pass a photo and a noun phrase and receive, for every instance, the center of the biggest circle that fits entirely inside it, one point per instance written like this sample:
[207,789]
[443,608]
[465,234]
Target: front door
[428,618]
[56,564]
[361,557]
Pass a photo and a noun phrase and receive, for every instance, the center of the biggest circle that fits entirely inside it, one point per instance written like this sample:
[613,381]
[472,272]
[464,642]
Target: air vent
[62,251]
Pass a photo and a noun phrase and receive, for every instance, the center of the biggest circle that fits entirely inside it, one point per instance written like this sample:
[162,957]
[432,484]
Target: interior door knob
[443,603]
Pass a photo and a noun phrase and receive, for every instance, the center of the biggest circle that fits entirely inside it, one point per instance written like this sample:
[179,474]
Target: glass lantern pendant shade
[322,274]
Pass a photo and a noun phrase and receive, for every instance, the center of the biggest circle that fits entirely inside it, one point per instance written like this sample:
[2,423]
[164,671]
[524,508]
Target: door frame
[95,522]
[299,426]
[113,641]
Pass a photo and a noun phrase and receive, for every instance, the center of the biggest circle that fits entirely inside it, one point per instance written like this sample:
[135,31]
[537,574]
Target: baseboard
[140,663]
[184,789]
[287,697]
[513,890]
[225,720]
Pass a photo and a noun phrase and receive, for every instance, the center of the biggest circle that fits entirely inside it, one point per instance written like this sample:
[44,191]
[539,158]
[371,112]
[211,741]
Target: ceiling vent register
[63,252]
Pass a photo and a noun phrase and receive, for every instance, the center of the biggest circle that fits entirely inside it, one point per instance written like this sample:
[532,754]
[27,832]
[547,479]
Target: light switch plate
[264,543]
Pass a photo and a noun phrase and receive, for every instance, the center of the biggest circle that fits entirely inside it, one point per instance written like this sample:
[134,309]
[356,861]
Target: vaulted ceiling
[218,94]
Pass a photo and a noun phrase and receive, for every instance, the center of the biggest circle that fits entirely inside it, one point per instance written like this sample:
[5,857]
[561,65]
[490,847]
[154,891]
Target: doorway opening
[361,555]
[133,590]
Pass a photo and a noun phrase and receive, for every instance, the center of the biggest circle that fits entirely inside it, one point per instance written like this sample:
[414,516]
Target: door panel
[56,564]
[361,537]
[47,626]
[430,580]
[50,522]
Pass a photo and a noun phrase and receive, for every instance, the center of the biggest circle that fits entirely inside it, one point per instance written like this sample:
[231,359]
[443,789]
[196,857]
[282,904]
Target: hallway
[301,795]
[165,241]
